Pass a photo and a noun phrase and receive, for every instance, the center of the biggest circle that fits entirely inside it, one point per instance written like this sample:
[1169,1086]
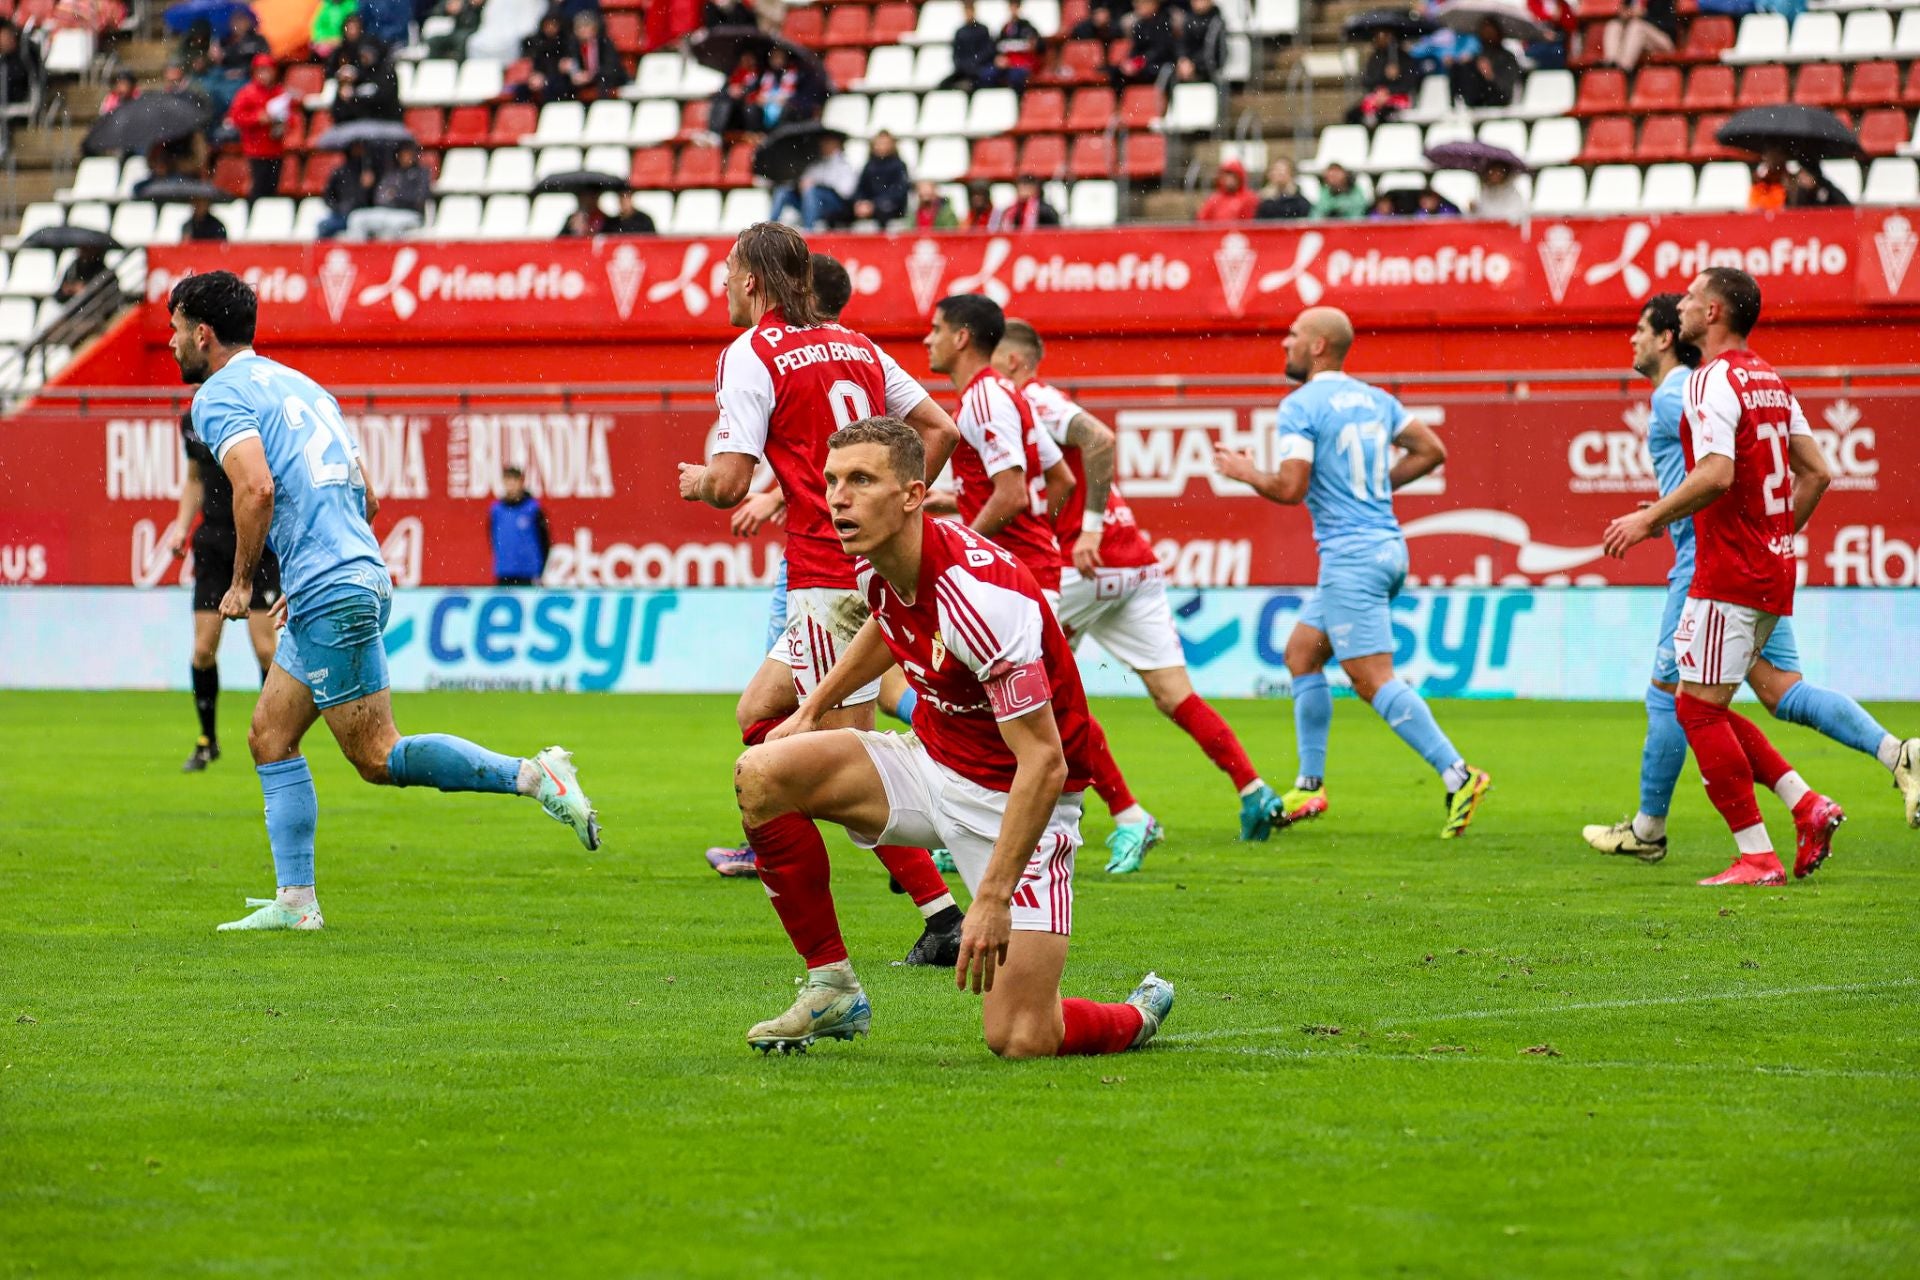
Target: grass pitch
[1504,1055]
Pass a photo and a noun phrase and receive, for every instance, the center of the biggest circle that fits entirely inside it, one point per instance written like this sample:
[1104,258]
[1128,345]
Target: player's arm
[1095,441]
[1040,772]
[372,503]
[1060,483]
[1287,486]
[1008,499]
[1810,476]
[941,502]
[1424,453]
[863,661]
[1709,480]
[245,462]
[744,395]
[722,482]
[939,437]
[193,495]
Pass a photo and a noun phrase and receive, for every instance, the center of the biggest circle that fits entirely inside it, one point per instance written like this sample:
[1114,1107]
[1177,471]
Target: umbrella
[178,191]
[1477,156]
[373,133]
[784,154]
[216,12]
[581,182]
[1806,133]
[1397,21]
[720,48]
[1514,21]
[149,119]
[69,238]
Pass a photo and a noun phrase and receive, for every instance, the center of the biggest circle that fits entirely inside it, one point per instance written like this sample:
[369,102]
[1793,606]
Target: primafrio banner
[1527,489]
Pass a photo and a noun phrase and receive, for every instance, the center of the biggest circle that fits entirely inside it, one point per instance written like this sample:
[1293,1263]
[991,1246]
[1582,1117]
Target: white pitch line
[1641,1002]
[1783,1070]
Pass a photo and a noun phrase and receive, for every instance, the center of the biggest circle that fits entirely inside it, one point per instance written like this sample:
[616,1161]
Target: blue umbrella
[217,12]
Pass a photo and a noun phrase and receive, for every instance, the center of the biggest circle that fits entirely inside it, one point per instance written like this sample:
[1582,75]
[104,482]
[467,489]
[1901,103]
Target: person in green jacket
[324,34]
[1340,197]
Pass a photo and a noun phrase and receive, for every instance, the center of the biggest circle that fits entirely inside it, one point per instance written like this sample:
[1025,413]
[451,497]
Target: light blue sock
[450,764]
[1662,756]
[1312,721]
[1833,714]
[1408,715]
[293,814]
[908,701]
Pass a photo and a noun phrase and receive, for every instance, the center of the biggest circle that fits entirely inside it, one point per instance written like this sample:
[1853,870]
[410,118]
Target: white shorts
[1717,642]
[932,807]
[821,623]
[1126,611]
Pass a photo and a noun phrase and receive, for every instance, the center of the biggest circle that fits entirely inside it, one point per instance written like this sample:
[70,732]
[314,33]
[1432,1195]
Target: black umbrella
[373,133]
[580,182]
[1806,133]
[1399,22]
[150,119]
[1477,156]
[1514,21]
[720,48]
[69,238]
[178,191]
[784,154]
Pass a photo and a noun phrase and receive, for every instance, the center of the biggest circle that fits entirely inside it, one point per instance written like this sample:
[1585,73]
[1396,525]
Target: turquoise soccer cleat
[1259,810]
[1154,999]
[562,798]
[944,860]
[1128,845]
[271,913]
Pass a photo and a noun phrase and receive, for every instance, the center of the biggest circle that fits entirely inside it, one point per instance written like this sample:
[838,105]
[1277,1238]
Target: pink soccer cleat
[1751,868]
[1815,819]
[736,861]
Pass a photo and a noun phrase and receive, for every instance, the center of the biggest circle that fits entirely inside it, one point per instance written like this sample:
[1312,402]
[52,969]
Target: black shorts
[213,571]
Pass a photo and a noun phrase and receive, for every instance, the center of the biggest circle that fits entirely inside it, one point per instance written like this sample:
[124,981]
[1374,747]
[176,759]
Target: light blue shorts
[336,647]
[777,607]
[1352,602]
[1780,649]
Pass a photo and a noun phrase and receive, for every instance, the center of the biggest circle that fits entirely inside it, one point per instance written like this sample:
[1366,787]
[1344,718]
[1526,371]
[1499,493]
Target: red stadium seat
[1609,141]
[847,24]
[893,23]
[1820,84]
[699,167]
[993,161]
[512,122]
[1706,147]
[467,127]
[1662,138]
[320,167]
[1092,111]
[1709,89]
[1764,86]
[1882,132]
[693,117]
[1708,36]
[1042,111]
[1044,156]
[1655,89]
[1140,106]
[845,66]
[1911,97]
[429,126]
[805,26]
[1601,93]
[1072,13]
[1145,159]
[1092,157]
[318,123]
[1875,84]
[304,78]
[652,169]
[1081,62]
[625,31]
[295,133]
[290,170]
[1598,10]
[231,175]
[739,169]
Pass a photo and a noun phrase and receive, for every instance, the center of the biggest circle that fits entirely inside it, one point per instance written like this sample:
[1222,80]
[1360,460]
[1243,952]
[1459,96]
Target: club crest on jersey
[939,650]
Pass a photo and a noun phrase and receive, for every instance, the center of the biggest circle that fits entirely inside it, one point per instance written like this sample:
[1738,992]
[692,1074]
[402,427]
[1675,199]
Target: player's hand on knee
[797,723]
[983,944]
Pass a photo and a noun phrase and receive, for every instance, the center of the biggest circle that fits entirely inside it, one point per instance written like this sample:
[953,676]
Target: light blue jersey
[319,531]
[1344,427]
[1670,463]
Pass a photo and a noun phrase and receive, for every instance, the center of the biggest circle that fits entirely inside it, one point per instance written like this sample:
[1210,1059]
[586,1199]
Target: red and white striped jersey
[997,432]
[979,644]
[1122,545]
[1735,405]
[782,391]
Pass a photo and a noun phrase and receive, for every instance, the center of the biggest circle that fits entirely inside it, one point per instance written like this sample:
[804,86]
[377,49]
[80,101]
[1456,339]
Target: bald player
[1334,456]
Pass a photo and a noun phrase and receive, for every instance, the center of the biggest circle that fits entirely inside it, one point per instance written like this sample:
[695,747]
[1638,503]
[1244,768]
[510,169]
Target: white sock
[1648,827]
[838,974]
[1791,788]
[1253,786]
[1130,816]
[1754,839]
[295,895]
[928,910]
[1888,752]
[1455,776]
[528,783]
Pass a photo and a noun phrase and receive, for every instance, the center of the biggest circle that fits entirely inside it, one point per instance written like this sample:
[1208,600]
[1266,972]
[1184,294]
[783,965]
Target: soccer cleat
[1154,999]
[1302,806]
[1461,804]
[205,752]
[1622,839]
[838,1011]
[271,913]
[1129,845]
[738,861]
[1906,777]
[1751,868]
[1814,822]
[562,798]
[1259,810]
[936,947]
[944,861]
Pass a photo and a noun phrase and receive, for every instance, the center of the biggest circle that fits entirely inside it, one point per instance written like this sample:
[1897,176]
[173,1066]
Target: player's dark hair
[778,257]
[1741,294]
[832,286]
[1663,316]
[979,315]
[220,300]
[514,472]
[905,453]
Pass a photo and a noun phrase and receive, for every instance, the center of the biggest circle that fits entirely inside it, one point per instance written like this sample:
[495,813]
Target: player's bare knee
[1024,1038]
[269,744]
[755,787]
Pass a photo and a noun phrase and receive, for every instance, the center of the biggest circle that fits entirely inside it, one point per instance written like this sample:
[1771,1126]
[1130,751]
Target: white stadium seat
[695,213]
[658,76]
[743,207]
[549,214]
[890,68]
[509,169]
[1237,66]
[43,213]
[1815,38]
[95,178]
[657,205]
[1667,188]
[1762,38]
[1560,190]
[1890,180]
[1396,146]
[457,218]
[1614,188]
[308,217]
[1456,130]
[433,84]
[464,169]
[655,122]
[16,320]
[931,67]
[1553,142]
[607,121]
[270,220]
[1095,203]
[896,113]
[1510,134]
[939,19]
[32,273]
[69,52]
[1723,187]
[1276,17]
[1193,108]
[1906,40]
[552,160]
[559,122]
[991,112]
[1342,144]
[1434,100]
[847,112]
[697,81]
[617,161]
[132,174]
[1868,35]
[1547,94]
[1844,174]
[1458,186]
[92,214]
[942,111]
[481,80]
[506,217]
[172,223]
[1044,15]
[944,159]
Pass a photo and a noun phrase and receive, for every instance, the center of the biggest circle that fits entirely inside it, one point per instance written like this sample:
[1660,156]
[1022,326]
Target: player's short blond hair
[1027,338]
[905,454]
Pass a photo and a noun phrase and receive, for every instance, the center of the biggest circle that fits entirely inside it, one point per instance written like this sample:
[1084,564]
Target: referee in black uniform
[209,494]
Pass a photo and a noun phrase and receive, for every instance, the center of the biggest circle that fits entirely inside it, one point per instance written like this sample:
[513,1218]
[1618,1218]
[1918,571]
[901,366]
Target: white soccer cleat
[1621,838]
[832,1004]
[1154,999]
[561,796]
[1906,776]
[271,913]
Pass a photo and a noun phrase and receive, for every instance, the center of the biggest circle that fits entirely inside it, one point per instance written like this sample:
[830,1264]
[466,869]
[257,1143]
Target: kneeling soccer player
[994,775]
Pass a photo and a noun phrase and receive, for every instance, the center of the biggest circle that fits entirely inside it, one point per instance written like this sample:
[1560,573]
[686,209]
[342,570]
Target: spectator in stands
[630,221]
[349,187]
[732,109]
[1151,45]
[1640,28]
[20,69]
[399,199]
[175,80]
[1281,199]
[366,93]
[196,40]
[259,113]
[241,45]
[1383,206]
[1489,77]
[328,21]
[164,161]
[466,16]
[1231,200]
[1388,81]
[1431,204]
[203,225]
[737,14]
[824,194]
[1016,51]
[1097,25]
[973,52]
[1028,210]
[88,265]
[1769,189]
[1339,196]
[1562,20]
[353,45]
[881,193]
[595,65]
[1500,195]
[1203,43]
[545,51]
[1811,189]
[124,90]
[979,216]
[931,211]
[388,21]
[789,92]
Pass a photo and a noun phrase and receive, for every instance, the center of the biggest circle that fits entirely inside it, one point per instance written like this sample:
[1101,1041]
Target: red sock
[1216,737]
[915,871]
[756,733]
[1093,1027]
[1769,766]
[1106,774]
[1723,762]
[795,871]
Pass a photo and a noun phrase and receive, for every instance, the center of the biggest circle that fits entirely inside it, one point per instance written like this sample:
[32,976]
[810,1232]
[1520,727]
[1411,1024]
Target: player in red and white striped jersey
[1111,588]
[1754,476]
[993,771]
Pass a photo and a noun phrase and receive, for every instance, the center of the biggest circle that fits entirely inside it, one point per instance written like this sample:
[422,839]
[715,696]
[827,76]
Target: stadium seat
[898,113]
[1820,84]
[695,213]
[625,31]
[1882,132]
[506,217]
[700,82]
[1511,134]
[993,161]
[1042,111]
[1092,111]
[657,205]
[1396,146]
[551,160]
[1609,139]
[1662,138]
[32,273]
[270,221]
[469,126]
[320,167]
[1236,66]
[1890,180]
[893,23]
[1342,144]
[744,207]
[1560,191]
[847,112]
[1844,174]
[16,320]
[847,24]
[481,80]
[1906,39]
[547,215]
[172,223]
[888,70]
[1093,204]
[94,178]
[307,219]
[1868,34]
[1655,89]
[92,214]
[1193,108]
[433,84]
[1706,147]
[1091,157]
[652,169]
[608,158]
[1433,100]
[991,112]
[1141,107]
[1709,36]
[944,111]
[931,67]
[699,167]
[1044,15]
[1602,92]
[608,121]
[1547,94]
[509,169]
[1816,37]
[1458,186]
[1762,38]
[693,120]
[738,170]
[657,75]
[845,68]
[69,52]
[559,122]
[304,79]
[1044,155]
[1709,89]
[132,173]
[944,159]
[1080,62]
[1143,160]
[1445,131]
[1666,188]
[428,125]
[1276,17]
[806,27]
[134,223]
[464,169]
[1553,142]
[938,21]
[1874,84]
[653,123]
[1722,187]
[1763,86]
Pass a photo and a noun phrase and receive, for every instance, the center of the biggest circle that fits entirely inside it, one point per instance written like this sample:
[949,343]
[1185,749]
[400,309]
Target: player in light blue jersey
[1335,433]
[1660,356]
[297,484]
